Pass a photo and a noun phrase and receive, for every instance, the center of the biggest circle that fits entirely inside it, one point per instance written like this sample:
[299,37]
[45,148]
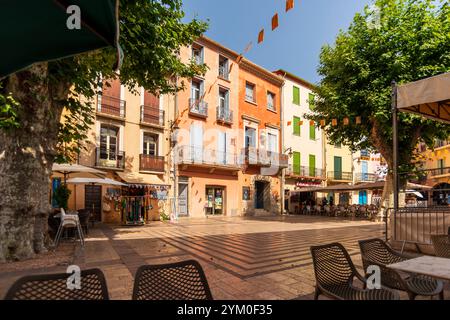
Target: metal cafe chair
[335,274]
[54,287]
[377,252]
[441,244]
[69,221]
[174,281]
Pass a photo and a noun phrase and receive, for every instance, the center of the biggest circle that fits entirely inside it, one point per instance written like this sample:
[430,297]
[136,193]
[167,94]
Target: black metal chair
[84,215]
[335,273]
[377,252]
[54,287]
[175,281]
[441,244]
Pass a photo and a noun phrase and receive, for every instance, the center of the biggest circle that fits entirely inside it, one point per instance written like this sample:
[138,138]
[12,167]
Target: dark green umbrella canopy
[36,30]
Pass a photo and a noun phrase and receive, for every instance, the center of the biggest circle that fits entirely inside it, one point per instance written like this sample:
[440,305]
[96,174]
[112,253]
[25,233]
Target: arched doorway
[441,194]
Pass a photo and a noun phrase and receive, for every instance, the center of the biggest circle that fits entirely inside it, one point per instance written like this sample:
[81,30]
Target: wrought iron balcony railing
[111,106]
[224,115]
[206,157]
[198,108]
[152,115]
[151,163]
[305,172]
[340,176]
[108,158]
[365,177]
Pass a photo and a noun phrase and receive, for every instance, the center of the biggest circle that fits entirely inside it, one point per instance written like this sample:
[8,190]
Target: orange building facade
[260,140]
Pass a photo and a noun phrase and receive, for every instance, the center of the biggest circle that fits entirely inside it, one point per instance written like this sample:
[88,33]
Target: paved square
[243,258]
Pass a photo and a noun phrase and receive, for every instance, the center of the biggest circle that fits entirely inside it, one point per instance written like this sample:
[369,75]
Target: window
[311,100]
[312,165]
[223,67]
[364,153]
[296,95]
[441,166]
[338,146]
[150,144]
[250,92]
[271,101]
[223,99]
[196,89]
[197,54]
[272,140]
[297,162]
[297,126]
[108,142]
[250,137]
[312,131]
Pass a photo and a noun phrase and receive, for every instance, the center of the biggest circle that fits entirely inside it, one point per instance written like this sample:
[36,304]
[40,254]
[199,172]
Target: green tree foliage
[406,41]
[151,34]
[61,196]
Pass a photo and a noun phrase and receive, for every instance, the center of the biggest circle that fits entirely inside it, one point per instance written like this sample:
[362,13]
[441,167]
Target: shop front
[215,201]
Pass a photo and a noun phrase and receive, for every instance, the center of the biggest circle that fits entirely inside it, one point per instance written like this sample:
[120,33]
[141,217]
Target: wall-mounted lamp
[289,152]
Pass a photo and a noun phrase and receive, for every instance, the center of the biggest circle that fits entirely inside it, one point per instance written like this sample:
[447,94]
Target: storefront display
[214,201]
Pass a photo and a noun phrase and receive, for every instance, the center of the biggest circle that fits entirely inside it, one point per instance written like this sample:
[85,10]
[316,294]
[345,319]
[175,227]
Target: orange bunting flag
[261,36]
[248,47]
[275,21]
[289,5]
[334,122]
[358,120]
[312,123]
[300,123]
[322,123]
[346,121]
[289,123]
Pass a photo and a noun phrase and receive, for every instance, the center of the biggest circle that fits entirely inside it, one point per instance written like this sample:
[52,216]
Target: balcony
[110,159]
[189,155]
[305,172]
[264,158]
[439,172]
[223,71]
[365,177]
[111,106]
[152,115]
[339,176]
[198,108]
[224,115]
[151,163]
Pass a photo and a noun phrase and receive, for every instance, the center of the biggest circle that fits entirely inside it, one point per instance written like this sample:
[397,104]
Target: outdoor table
[434,267]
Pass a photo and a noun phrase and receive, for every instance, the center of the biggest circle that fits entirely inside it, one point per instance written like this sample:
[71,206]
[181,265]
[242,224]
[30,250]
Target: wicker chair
[176,281]
[441,244]
[335,272]
[377,252]
[54,287]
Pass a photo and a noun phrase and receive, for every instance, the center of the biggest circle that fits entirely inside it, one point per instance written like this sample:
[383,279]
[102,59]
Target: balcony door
[222,148]
[365,171]
[338,168]
[109,142]
[150,145]
[196,136]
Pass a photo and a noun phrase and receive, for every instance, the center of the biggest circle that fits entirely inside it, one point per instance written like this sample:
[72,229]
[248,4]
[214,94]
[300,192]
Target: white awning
[66,168]
[97,181]
[428,97]
[133,178]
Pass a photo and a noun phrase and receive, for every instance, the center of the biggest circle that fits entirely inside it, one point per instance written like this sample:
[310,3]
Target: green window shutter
[312,131]
[297,127]
[311,100]
[312,165]
[297,162]
[296,95]
[338,168]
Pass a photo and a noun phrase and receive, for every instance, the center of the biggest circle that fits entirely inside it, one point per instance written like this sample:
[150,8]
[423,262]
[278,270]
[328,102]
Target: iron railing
[261,157]
[151,163]
[202,156]
[417,224]
[340,176]
[365,177]
[223,72]
[438,171]
[108,158]
[225,115]
[198,107]
[152,115]
[305,172]
[111,106]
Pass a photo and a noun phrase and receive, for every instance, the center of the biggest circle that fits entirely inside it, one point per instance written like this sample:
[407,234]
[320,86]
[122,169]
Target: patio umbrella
[66,169]
[34,31]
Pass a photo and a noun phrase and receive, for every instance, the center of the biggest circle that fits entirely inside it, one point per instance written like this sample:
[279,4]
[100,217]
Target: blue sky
[294,46]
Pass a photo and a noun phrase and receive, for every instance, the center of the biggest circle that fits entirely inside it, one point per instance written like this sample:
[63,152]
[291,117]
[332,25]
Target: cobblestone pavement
[243,258]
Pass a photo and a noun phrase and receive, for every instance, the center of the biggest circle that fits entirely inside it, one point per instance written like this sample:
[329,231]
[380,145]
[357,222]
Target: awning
[428,97]
[380,185]
[139,179]
[338,187]
[66,168]
[37,30]
[96,181]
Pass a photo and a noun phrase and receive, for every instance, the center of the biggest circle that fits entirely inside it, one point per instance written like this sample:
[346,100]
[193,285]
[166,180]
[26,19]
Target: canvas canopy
[34,31]
[96,181]
[428,97]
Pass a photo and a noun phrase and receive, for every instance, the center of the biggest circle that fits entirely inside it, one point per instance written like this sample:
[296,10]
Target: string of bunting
[275,20]
[334,122]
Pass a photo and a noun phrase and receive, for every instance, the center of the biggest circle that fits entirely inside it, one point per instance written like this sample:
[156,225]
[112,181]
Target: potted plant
[61,196]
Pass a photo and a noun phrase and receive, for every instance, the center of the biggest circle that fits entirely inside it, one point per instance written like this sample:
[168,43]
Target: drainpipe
[283,170]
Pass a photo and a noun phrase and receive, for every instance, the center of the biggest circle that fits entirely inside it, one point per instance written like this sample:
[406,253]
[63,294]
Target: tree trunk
[26,159]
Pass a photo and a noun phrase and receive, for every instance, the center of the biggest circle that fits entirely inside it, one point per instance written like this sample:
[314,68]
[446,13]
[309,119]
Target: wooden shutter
[312,165]
[297,128]
[297,162]
[312,132]
[296,95]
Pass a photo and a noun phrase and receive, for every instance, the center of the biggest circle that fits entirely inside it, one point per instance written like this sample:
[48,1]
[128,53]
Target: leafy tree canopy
[395,40]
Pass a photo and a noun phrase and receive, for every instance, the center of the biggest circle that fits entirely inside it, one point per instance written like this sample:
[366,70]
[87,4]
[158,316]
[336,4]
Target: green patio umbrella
[37,30]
